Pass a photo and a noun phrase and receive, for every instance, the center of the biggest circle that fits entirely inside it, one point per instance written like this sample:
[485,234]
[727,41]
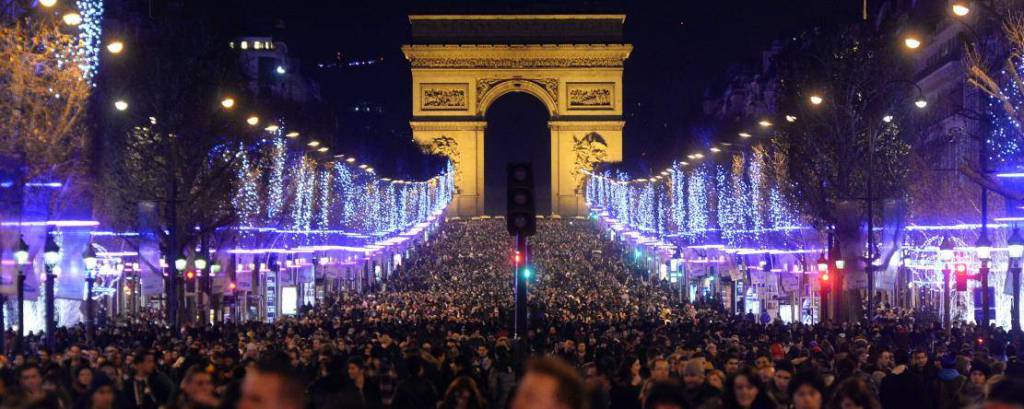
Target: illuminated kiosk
[573,64]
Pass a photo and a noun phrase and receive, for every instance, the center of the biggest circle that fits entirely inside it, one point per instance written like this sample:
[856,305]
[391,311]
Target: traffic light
[521,217]
[518,258]
[961,277]
[527,272]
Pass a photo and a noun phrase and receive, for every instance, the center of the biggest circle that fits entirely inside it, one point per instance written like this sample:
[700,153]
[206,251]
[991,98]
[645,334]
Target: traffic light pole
[521,288]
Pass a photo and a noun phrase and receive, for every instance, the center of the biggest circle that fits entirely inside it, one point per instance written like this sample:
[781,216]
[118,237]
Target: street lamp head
[946,249]
[115,47]
[765,123]
[984,247]
[120,105]
[790,118]
[822,263]
[912,43]
[840,264]
[200,263]
[816,99]
[21,252]
[89,258]
[180,263]
[47,3]
[887,118]
[214,268]
[961,9]
[1015,245]
[227,102]
[72,19]
[921,103]
[744,135]
[51,252]
[253,120]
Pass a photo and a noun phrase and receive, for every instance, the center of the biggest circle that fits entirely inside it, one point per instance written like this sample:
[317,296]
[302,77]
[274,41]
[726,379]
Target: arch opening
[517,131]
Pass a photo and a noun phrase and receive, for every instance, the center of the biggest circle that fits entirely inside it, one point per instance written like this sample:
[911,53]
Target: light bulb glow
[72,19]
[115,47]
[816,99]
[120,105]
[912,43]
[253,120]
[961,10]
[227,102]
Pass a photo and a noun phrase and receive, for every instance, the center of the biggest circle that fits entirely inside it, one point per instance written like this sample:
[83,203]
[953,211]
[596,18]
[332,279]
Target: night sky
[681,48]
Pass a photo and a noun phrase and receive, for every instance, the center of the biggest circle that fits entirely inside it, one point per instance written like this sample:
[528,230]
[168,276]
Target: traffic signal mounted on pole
[521,211]
[961,277]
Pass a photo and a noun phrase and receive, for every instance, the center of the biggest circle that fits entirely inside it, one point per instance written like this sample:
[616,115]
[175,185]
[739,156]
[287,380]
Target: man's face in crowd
[781,379]
[885,359]
[660,370]
[31,380]
[693,381]
[354,371]
[148,365]
[200,385]
[978,378]
[537,391]
[264,391]
[920,360]
[732,366]
[807,397]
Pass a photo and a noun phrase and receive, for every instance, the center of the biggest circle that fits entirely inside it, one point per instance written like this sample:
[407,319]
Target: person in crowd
[463,394]
[272,383]
[807,391]
[854,393]
[745,390]
[550,384]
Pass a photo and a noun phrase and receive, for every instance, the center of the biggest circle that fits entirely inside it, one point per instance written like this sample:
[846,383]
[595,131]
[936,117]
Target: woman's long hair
[857,391]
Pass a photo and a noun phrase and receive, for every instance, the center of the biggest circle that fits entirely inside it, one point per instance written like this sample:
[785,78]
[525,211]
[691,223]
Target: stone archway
[573,64]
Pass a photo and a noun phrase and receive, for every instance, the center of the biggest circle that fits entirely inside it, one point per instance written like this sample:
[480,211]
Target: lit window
[244,45]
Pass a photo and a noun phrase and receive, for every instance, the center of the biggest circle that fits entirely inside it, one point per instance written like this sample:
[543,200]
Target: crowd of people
[440,336]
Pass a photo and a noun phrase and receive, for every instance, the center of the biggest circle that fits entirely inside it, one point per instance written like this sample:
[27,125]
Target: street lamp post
[180,264]
[89,259]
[946,254]
[984,248]
[21,259]
[51,256]
[1015,247]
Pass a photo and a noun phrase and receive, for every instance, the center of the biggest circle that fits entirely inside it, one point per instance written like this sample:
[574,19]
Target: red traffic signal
[518,258]
[190,275]
[961,277]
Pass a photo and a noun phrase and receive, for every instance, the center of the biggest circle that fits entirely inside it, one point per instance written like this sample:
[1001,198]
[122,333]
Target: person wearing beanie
[950,383]
[974,390]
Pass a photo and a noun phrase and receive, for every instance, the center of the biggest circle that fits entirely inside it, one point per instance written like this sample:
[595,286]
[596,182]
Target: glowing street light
[961,9]
[280,70]
[921,103]
[253,120]
[47,3]
[790,118]
[313,144]
[744,135]
[227,102]
[72,19]
[765,123]
[115,47]
[120,105]
[292,134]
[912,43]
[322,149]
[817,99]
[272,128]
[350,160]
[887,118]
